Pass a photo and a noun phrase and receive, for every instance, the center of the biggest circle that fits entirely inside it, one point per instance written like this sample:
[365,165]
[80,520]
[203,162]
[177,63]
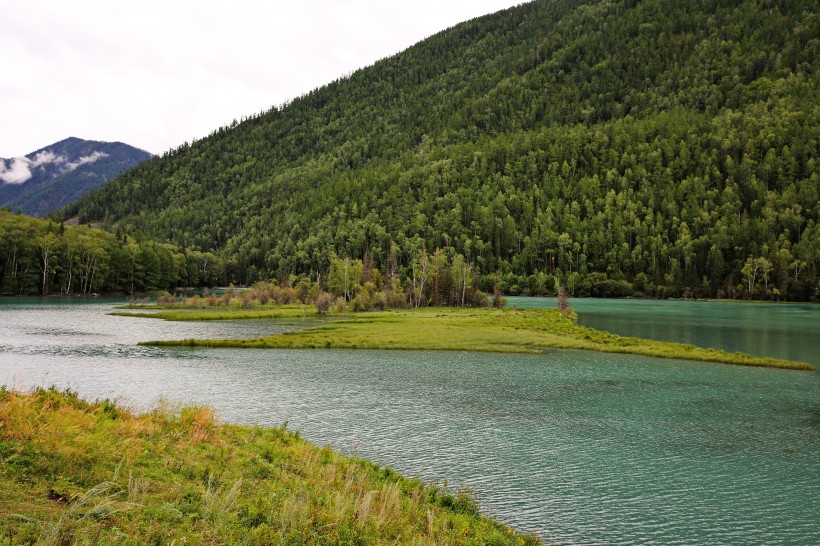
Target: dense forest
[661,147]
[45,257]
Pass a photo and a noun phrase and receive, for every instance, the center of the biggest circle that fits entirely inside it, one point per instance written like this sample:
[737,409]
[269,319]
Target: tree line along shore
[45,257]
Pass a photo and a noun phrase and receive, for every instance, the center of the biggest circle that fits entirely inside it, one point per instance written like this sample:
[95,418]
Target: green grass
[459,329]
[224,313]
[75,472]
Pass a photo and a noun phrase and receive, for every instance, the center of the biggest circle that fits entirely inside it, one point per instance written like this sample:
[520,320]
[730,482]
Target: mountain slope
[667,143]
[54,176]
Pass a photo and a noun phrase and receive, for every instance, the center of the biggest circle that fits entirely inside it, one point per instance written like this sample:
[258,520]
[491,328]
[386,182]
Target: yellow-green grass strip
[458,329]
[280,312]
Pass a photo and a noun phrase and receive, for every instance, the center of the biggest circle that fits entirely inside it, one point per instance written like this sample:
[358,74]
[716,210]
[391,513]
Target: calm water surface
[790,331]
[583,448]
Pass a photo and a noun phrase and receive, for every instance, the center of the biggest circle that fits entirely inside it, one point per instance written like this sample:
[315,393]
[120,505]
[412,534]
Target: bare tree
[563,300]
[46,243]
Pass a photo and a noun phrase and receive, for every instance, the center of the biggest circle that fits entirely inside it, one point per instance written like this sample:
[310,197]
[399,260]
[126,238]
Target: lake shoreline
[181,474]
[240,288]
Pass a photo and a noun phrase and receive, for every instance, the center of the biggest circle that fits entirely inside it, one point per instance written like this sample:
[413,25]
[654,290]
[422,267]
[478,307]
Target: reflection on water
[583,448]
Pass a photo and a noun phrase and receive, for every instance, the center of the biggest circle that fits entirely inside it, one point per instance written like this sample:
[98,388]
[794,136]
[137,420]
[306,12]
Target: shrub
[499,301]
[284,295]
[246,299]
[395,299]
[362,301]
[166,299]
[323,303]
[302,290]
[479,299]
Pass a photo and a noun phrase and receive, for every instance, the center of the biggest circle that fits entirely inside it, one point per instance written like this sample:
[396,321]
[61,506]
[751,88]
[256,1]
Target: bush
[395,299]
[166,299]
[479,299]
[302,290]
[323,303]
[362,301]
[499,301]
[284,295]
[246,299]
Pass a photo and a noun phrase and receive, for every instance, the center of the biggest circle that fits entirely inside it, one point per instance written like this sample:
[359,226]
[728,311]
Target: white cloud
[155,73]
[19,170]
[94,156]
[17,173]
[45,157]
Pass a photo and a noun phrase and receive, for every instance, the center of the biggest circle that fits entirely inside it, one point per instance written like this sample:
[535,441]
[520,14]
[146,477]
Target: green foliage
[499,301]
[437,282]
[657,143]
[40,256]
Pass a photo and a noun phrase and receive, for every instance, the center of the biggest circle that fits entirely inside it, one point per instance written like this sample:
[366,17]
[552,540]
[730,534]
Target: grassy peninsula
[76,472]
[460,329]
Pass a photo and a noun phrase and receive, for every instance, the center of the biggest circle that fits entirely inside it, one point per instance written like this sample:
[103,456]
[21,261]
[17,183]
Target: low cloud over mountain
[19,169]
[56,175]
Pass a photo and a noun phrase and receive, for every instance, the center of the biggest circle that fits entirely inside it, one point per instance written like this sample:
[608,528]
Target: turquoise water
[581,447]
[790,331]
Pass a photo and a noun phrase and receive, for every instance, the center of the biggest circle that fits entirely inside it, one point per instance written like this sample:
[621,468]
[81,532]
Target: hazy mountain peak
[55,175]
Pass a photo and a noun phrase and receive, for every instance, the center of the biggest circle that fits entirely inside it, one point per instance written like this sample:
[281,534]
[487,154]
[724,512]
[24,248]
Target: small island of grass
[440,328]
[76,472]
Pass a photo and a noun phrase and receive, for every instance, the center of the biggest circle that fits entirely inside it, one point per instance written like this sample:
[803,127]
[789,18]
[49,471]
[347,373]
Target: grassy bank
[219,313]
[94,473]
[498,330]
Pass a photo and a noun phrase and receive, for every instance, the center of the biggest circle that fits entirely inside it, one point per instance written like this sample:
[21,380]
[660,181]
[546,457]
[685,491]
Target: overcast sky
[156,73]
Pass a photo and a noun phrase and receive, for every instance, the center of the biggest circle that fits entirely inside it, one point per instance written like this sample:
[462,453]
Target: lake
[789,331]
[580,447]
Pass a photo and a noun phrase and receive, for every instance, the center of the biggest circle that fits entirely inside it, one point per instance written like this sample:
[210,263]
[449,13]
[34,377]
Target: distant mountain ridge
[52,177]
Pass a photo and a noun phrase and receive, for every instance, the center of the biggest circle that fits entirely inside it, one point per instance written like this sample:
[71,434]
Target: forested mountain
[54,176]
[667,147]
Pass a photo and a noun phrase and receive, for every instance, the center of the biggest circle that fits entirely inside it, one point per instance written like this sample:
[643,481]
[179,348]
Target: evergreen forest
[659,147]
